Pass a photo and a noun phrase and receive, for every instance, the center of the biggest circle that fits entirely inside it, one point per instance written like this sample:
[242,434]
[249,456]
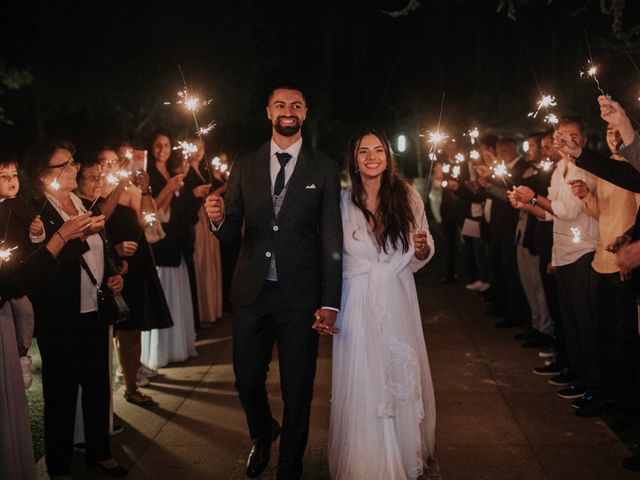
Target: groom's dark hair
[288,85]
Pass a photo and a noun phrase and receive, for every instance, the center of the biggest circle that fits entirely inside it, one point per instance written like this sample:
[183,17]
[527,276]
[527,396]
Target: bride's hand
[325,320]
[421,245]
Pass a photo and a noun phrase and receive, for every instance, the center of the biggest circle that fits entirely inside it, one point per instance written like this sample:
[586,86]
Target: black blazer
[57,303]
[306,237]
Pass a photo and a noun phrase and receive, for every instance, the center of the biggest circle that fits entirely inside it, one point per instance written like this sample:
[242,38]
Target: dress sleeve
[421,224]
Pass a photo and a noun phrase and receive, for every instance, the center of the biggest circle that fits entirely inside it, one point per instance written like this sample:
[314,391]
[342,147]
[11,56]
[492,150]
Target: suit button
[268,254]
[275,228]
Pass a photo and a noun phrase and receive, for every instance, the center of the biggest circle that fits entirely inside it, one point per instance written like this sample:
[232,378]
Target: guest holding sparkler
[201,180]
[73,343]
[612,292]
[134,213]
[503,229]
[16,448]
[571,257]
[175,344]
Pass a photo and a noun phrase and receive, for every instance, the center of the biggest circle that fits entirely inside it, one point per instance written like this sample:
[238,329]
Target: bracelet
[61,237]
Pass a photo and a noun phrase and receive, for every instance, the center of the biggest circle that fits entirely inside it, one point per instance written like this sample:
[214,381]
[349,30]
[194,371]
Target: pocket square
[310,187]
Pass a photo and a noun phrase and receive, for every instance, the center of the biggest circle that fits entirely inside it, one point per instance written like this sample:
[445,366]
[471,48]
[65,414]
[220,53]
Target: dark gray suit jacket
[306,237]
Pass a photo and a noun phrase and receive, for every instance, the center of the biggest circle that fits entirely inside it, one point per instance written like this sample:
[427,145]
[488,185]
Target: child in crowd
[20,229]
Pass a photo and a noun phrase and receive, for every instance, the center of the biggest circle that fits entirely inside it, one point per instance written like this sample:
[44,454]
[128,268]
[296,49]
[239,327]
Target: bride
[382,412]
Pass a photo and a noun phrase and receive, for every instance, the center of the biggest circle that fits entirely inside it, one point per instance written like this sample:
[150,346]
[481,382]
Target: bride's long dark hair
[394,219]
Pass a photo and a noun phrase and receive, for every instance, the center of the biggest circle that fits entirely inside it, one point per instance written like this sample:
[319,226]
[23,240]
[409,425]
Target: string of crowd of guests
[149,242]
[551,245]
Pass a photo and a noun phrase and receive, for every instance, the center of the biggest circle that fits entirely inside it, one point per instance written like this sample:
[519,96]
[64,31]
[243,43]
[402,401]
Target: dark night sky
[102,68]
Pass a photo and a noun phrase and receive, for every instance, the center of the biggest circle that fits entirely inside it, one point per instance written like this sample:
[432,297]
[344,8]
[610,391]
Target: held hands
[37,227]
[523,194]
[201,190]
[96,225]
[214,207]
[421,245]
[579,188]
[325,320]
[115,283]
[75,227]
[126,248]
[618,243]
[512,195]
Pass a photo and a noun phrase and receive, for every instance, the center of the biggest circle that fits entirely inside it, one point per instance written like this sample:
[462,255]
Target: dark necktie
[283,158]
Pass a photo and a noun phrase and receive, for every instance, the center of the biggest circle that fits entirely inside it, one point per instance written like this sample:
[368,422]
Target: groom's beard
[288,130]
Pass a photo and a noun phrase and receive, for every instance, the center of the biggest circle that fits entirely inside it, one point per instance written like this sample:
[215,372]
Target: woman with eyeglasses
[73,342]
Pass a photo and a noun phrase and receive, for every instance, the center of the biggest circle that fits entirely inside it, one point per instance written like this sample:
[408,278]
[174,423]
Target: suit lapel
[263,176]
[301,174]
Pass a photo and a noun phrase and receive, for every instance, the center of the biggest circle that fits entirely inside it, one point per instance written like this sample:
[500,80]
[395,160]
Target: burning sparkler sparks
[220,166]
[444,184]
[446,168]
[149,218]
[436,137]
[576,235]
[204,130]
[54,185]
[545,102]
[473,134]
[474,155]
[546,165]
[5,254]
[455,171]
[112,179]
[500,170]
[459,157]
[191,102]
[187,148]
[551,119]
[590,71]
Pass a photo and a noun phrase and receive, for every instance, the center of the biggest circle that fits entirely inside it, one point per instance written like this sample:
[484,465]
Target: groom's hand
[214,206]
[325,320]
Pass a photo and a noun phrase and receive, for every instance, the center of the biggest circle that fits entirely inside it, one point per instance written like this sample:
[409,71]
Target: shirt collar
[293,149]
[74,198]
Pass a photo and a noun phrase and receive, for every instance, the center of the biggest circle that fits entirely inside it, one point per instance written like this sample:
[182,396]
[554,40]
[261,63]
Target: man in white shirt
[575,234]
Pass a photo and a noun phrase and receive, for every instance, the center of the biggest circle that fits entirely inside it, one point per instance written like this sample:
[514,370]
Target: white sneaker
[475,286]
[147,372]
[484,287]
[25,365]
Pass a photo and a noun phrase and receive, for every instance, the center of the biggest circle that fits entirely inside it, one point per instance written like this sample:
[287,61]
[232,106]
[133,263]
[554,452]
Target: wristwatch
[534,200]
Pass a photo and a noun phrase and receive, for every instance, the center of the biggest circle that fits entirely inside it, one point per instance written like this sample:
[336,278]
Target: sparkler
[459,157]
[473,135]
[590,71]
[434,138]
[149,218]
[474,155]
[501,171]
[545,102]
[455,171]
[187,148]
[551,119]
[193,104]
[546,165]
[5,254]
[446,168]
[220,167]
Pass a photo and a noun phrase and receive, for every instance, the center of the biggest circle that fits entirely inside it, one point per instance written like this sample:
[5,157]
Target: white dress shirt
[569,212]
[274,166]
[94,258]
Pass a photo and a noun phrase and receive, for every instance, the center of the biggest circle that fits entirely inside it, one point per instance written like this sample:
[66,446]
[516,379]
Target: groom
[287,282]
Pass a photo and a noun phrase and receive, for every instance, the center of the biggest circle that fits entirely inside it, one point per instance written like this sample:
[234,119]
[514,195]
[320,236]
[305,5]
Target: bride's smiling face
[371,157]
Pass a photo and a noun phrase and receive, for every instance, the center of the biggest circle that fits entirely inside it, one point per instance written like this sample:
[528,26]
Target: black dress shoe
[116,471]
[539,340]
[593,406]
[526,335]
[261,452]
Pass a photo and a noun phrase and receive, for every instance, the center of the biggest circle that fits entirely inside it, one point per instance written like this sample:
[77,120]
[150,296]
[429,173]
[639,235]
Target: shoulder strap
[89,273]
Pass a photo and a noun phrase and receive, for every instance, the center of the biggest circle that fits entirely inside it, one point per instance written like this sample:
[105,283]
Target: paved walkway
[496,420]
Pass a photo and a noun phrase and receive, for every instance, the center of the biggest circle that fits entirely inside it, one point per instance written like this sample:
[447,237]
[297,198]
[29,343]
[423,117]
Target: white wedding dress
[382,405]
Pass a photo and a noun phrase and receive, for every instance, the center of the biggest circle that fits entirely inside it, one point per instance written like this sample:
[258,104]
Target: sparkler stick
[591,70]
[435,137]
[199,131]
[545,102]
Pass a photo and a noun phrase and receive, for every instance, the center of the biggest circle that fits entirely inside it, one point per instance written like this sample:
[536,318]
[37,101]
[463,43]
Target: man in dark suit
[287,282]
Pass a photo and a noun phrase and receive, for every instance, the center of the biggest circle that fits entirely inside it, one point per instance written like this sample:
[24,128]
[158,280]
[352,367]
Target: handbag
[112,309]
